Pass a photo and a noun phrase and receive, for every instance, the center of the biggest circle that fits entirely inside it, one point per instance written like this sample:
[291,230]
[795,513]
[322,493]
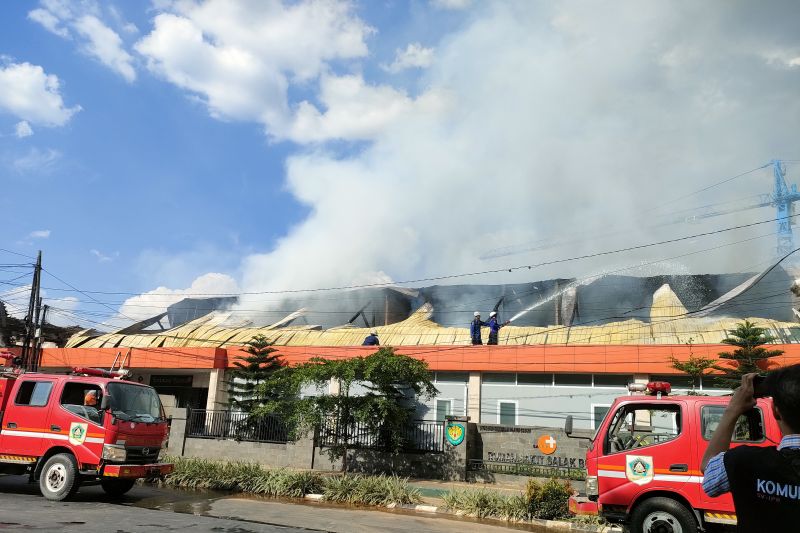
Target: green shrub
[242,476]
[548,500]
[370,490]
[255,479]
[483,503]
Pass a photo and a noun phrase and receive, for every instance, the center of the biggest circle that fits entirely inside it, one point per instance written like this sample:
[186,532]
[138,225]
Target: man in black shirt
[764,481]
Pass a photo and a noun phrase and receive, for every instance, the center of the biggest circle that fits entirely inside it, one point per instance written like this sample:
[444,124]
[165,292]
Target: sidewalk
[432,489]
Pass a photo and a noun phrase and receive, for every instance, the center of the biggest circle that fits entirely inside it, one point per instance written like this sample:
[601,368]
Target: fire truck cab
[643,463]
[67,430]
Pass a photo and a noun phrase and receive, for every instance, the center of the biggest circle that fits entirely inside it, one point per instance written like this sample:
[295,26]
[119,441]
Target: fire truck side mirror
[105,402]
[568,426]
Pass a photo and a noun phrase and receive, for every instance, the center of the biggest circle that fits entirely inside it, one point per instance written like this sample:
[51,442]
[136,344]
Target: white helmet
[493,313]
[373,332]
[477,313]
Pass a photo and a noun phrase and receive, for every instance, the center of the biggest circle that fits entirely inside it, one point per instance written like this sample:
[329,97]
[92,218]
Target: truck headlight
[115,453]
[591,486]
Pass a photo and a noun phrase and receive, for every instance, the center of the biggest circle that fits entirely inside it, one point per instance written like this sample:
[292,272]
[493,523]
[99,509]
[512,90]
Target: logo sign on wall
[455,433]
[546,444]
[639,469]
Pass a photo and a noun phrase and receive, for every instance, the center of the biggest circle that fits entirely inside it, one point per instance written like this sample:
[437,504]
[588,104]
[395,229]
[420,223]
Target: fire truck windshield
[134,403]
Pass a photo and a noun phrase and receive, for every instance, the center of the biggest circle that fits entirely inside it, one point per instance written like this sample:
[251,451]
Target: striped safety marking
[720,518]
[618,472]
[33,434]
[23,459]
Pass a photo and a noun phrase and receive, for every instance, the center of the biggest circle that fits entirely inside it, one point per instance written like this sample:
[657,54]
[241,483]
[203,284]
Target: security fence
[418,436]
[204,424]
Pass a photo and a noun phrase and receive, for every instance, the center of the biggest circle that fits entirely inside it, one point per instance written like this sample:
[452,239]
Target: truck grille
[142,454]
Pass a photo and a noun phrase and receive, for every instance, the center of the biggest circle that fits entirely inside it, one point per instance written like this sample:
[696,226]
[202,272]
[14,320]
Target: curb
[549,524]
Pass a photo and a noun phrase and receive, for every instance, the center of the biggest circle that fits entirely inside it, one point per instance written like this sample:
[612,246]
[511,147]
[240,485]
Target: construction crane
[782,198]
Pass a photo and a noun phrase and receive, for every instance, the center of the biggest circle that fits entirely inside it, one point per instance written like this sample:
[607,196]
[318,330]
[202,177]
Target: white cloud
[23,129]
[39,234]
[356,110]
[241,60]
[105,44]
[414,56]
[103,258]
[36,161]
[451,4]
[156,301]
[33,96]
[97,39]
[49,21]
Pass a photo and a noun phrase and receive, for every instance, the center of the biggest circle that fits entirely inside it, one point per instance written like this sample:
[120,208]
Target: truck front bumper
[138,471]
[580,505]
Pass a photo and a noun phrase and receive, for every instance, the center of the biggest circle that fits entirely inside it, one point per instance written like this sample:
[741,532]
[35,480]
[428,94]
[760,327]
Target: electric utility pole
[32,318]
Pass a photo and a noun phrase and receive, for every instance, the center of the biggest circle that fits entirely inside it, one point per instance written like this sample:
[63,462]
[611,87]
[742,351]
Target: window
[507,413]
[34,393]
[83,399]
[677,381]
[571,380]
[452,377]
[443,408]
[612,380]
[749,426]
[534,379]
[598,414]
[500,378]
[639,426]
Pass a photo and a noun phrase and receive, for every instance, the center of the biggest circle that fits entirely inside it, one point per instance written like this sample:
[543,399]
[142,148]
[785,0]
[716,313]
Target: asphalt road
[23,508]
[153,509]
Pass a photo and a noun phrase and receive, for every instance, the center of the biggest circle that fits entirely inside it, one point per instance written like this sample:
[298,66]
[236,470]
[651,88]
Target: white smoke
[559,121]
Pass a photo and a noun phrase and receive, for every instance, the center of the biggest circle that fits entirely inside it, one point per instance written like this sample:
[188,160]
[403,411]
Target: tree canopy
[749,356]
[246,379]
[388,385]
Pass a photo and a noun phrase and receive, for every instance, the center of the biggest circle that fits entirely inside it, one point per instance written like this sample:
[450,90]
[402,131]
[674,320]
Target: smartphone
[760,387]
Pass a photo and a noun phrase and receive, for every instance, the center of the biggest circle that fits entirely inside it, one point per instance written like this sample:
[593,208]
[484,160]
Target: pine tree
[244,386]
[749,356]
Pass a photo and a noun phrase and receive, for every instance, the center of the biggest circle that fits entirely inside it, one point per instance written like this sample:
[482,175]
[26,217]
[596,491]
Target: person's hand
[507,322]
[743,399]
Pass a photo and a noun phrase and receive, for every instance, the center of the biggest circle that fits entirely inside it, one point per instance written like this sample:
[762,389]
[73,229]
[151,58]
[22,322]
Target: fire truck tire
[59,478]
[662,515]
[117,487]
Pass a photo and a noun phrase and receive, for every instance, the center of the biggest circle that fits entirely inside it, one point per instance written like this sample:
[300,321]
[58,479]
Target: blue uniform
[475,330]
[494,329]
[371,340]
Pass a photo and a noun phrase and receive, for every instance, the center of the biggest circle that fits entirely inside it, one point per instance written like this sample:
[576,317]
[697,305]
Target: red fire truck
[643,463]
[84,428]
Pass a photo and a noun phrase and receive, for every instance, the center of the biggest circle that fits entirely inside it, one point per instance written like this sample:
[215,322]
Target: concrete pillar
[474,397]
[456,457]
[217,391]
[177,432]
[334,387]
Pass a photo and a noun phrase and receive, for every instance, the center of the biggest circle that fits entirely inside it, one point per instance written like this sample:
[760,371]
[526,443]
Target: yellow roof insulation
[669,324]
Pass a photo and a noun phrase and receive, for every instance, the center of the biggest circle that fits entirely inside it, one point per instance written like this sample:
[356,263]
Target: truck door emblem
[639,469]
[77,433]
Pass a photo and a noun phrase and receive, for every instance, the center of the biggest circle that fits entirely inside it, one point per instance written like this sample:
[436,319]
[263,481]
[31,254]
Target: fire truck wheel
[662,515]
[59,477]
[117,487]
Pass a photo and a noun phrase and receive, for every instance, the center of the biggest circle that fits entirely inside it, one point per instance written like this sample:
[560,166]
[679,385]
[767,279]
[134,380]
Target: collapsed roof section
[666,320]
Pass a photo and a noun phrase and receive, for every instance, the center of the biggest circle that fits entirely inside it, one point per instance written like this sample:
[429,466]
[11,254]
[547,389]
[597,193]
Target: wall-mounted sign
[171,380]
[455,433]
[546,444]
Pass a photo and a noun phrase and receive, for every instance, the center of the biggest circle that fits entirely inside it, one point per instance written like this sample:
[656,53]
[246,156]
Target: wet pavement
[148,509]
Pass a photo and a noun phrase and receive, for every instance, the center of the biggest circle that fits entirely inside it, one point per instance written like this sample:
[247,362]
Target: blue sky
[274,145]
